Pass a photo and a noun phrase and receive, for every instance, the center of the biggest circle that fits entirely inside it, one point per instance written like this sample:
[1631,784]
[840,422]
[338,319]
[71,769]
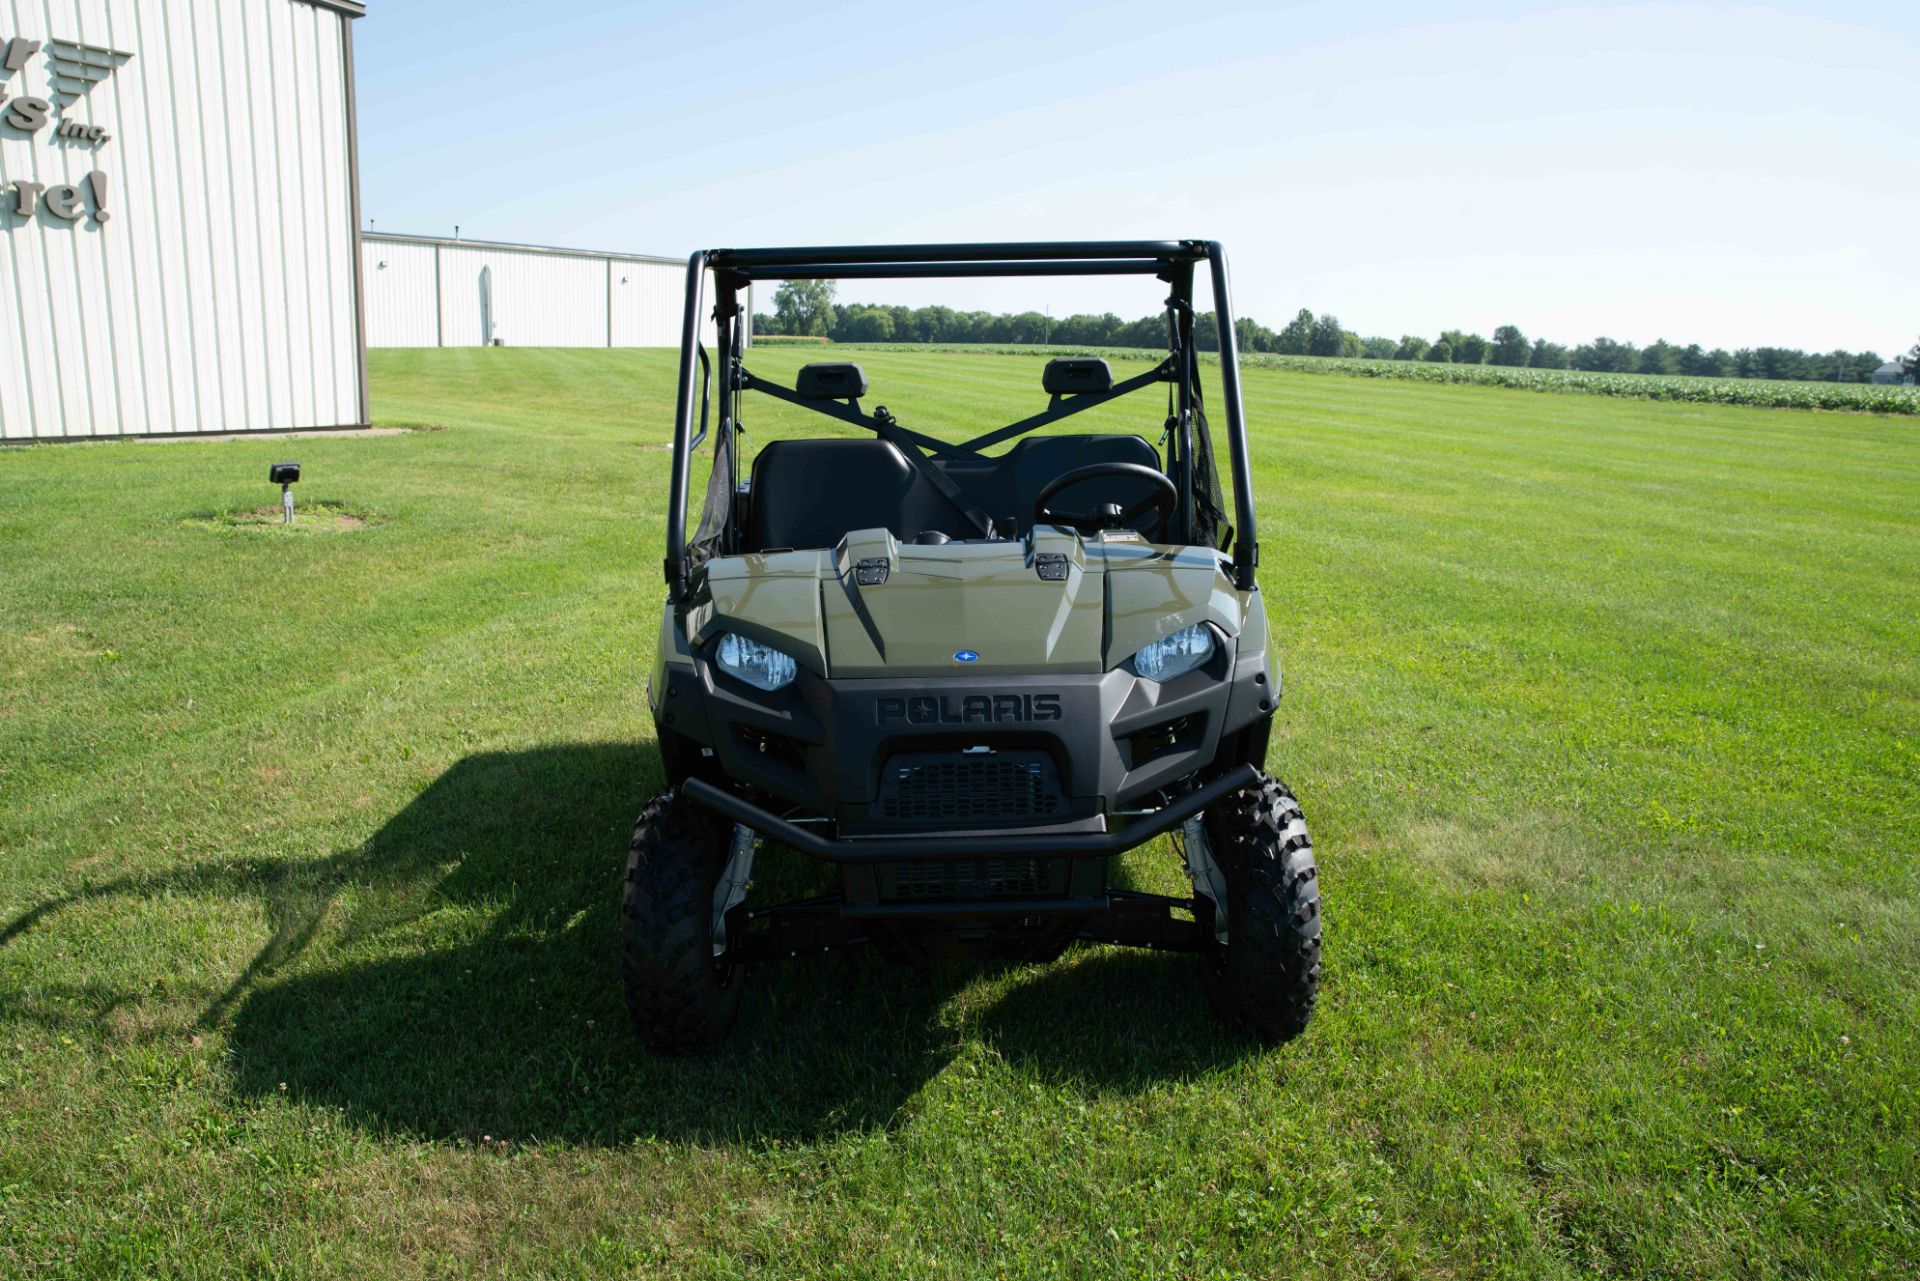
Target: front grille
[974,878]
[970,787]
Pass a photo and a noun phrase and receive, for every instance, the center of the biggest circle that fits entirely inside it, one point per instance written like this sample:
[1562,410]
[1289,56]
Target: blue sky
[1730,174]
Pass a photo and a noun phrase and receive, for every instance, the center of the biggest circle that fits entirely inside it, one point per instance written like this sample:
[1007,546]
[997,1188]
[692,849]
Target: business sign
[63,72]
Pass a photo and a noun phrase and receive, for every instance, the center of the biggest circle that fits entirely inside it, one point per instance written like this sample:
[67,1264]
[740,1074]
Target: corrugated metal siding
[648,301]
[219,296]
[540,298]
[401,288]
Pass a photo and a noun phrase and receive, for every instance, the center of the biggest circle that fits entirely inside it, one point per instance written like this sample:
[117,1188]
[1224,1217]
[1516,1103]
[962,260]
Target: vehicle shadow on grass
[517,1030]
[456,976]
[1112,1021]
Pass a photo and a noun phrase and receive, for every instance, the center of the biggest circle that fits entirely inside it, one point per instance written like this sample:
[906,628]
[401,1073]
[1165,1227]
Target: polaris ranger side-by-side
[967,676]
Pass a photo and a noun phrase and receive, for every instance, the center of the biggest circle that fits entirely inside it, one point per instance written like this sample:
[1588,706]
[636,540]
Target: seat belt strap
[889,430]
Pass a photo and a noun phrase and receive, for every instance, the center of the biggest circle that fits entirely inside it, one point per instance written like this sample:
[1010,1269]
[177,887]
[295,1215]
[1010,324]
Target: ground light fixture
[284,475]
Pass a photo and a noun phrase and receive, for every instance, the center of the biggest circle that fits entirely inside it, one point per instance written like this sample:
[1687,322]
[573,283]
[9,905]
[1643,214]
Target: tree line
[808,307]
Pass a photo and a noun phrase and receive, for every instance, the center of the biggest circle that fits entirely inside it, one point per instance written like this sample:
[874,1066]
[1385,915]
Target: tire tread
[1267,979]
[678,999]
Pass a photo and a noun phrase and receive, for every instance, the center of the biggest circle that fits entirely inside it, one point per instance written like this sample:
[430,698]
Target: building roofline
[352,8]
[402,238]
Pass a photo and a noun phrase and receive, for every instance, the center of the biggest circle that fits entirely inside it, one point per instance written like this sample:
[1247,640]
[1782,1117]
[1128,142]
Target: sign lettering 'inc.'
[71,70]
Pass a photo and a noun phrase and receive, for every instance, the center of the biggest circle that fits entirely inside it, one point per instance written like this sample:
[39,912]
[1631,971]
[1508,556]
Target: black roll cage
[1172,261]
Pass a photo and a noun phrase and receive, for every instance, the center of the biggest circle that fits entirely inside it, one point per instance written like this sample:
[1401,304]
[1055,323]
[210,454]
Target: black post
[676,561]
[1182,286]
[726,332]
[1246,542]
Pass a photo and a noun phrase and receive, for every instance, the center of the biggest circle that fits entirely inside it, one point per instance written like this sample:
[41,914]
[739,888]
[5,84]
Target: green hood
[984,599]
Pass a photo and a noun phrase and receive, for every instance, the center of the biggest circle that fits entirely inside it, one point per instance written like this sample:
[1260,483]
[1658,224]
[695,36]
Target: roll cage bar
[1173,261]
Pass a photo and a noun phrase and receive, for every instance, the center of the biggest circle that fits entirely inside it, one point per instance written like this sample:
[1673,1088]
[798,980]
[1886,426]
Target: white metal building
[428,292]
[178,203]
[179,231]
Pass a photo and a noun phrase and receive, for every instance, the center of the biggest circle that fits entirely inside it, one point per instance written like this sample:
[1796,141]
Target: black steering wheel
[1160,502]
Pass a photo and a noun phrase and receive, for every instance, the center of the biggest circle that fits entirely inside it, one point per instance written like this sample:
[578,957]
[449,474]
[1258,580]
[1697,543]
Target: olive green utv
[967,680]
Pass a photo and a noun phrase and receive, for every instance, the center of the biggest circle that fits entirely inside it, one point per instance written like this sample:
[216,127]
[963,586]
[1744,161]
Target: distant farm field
[1606,713]
[1758,392]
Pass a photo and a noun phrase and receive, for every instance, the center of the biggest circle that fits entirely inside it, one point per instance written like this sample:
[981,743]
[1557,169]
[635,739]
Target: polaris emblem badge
[965,656]
[972,709]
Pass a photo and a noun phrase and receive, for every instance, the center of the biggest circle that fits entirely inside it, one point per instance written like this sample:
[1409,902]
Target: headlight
[761,666]
[1175,654]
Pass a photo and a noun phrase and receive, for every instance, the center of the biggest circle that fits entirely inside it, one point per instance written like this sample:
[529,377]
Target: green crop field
[1760,392]
[1606,713]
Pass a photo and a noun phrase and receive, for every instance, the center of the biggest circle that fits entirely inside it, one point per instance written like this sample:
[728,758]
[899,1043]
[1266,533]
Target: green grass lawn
[1606,715]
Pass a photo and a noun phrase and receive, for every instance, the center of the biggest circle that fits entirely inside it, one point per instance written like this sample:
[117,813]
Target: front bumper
[1012,842]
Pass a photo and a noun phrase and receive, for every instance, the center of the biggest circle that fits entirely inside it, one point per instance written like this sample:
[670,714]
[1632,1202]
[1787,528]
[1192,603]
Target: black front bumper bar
[880,849]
